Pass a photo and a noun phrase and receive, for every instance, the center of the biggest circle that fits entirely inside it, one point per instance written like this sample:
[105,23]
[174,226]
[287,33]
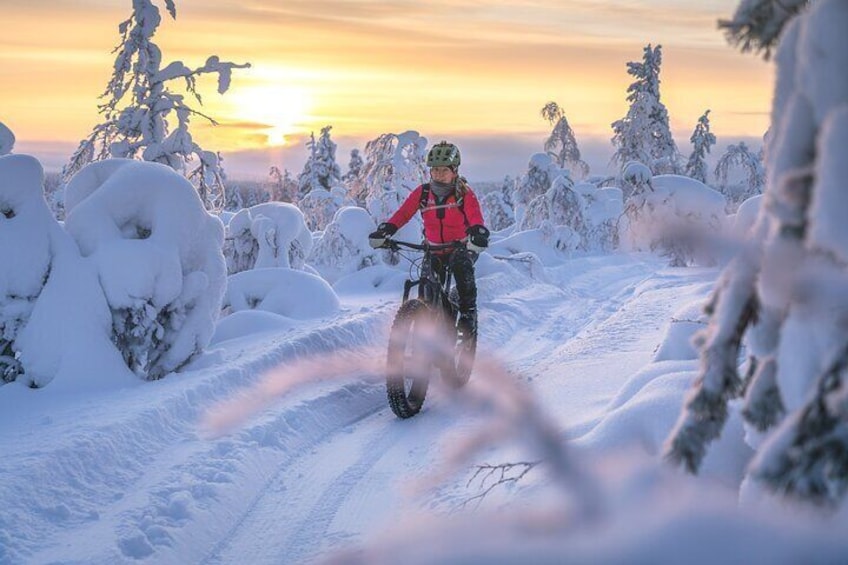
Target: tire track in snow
[316,523]
[285,526]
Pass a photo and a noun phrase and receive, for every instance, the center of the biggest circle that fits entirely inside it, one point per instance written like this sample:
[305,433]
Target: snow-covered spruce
[541,173]
[343,247]
[26,255]
[140,109]
[560,206]
[702,141]
[797,280]
[644,134]
[562,144]
[320,170]
[319,206]
[165,300]
[273,234]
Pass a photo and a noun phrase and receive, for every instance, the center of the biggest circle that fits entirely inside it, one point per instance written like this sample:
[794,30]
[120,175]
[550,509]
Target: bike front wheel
[410,360]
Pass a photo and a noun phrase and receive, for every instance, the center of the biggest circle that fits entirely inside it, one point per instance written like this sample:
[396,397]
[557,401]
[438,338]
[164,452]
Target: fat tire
[458,371]
[403,404]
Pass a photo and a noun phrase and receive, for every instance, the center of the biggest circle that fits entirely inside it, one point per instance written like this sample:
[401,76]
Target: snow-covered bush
[319,206]
[240,247]
[25,252]
[739,175]
[343,247]
[270,290]
[394,166]
[602,207]
[273,234]
[158,259]
[672,214]
[540,175]
[7,140]
[496,210]
[559,206]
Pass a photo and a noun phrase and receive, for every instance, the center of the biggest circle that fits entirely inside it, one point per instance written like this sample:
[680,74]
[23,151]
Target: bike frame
[430,289]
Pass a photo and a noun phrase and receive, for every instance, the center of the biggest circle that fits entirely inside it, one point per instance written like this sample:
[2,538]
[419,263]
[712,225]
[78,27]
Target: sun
[276,110]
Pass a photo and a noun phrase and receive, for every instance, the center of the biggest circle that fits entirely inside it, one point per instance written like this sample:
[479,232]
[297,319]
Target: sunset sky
[473,71]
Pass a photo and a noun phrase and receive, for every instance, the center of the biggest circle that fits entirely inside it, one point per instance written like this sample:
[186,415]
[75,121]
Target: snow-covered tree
[644,134]
[668,213]
[702,141]
[269,235]
[321,169]
[234,200]
[343,247]
[507,189]
[602,208]
[354,167]
[25,255]
[561,144]
[282,188]
[784,296]
[394,165]
[158,259]
[560,205]
[319,206]
[541,173]
[753,181]
[143,118]
[7,140]
[496,210]
[757,24]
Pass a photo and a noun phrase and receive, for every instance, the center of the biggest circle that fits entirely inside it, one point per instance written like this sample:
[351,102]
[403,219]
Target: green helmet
[443,154]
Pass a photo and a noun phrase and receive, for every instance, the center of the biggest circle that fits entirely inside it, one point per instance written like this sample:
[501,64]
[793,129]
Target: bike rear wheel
[409,367]
[458,371]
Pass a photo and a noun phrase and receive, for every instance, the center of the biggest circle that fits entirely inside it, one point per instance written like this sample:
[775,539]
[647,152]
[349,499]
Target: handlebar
[426,246]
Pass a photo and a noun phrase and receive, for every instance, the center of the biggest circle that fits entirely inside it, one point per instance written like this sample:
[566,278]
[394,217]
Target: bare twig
[499,475]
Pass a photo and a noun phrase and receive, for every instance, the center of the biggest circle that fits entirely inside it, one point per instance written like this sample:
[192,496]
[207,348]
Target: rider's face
[442,174]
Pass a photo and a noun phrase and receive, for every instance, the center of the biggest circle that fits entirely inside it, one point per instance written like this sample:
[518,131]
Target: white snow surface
[276,445]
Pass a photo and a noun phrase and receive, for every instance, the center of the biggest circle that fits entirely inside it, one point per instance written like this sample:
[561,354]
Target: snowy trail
[353,482]
[327,466]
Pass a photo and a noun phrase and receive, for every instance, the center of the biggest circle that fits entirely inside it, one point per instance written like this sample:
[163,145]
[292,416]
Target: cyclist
[450,212]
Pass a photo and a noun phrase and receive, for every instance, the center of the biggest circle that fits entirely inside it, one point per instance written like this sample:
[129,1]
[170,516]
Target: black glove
[378,238]
[478,238]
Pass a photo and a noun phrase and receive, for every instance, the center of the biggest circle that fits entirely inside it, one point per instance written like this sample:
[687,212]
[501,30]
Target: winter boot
[467,324]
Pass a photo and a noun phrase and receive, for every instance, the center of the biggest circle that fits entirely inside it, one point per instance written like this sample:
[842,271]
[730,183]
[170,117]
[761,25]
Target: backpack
[461,188]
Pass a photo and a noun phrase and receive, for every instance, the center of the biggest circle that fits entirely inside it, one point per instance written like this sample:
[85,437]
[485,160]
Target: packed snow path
[326,465]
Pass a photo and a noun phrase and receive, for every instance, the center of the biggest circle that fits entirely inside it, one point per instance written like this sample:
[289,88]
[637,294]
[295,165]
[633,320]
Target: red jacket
[444,223]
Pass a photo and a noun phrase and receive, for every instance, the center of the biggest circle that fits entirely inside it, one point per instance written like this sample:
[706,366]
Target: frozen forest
[192,367]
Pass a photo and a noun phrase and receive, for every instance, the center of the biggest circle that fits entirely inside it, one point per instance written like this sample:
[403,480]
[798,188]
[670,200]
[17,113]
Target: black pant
[461,264]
